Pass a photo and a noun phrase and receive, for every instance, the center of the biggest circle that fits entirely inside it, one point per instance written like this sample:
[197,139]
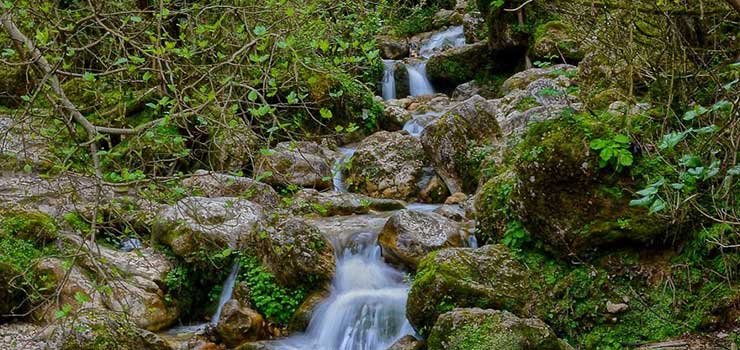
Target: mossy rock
[564,198]
[488,277]
[555,40]
[477,329]
[455,66]
[30,225]
[96,329]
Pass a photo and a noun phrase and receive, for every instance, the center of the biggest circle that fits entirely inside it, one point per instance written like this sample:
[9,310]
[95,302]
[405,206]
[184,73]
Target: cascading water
[452,37]
[416,125]
[419,83]
[338,179]
[389,80]
[366,309]
[226,292]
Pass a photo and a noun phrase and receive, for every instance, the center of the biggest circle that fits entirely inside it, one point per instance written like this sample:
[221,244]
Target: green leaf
[260,30]
[81,298]
[88,77]
[623,139]
[252,96]
[657,206]
[325,113]
[599,144]
[642,202]
[625,158]
[670,140]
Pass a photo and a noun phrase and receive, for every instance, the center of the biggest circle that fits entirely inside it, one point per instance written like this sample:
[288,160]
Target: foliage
[271,299]
[614,151]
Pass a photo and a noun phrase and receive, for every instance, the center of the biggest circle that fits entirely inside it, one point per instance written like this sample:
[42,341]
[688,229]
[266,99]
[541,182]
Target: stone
[474,26]
[456,198]
[239,324]
[616,308]
[209,224]
[409,235]
[213,184]
[434,189]
[294,251]
[302,163]
[448,141]
[487,277]
[387,165]
[466,90]
[95,329]
[234,147]
[447,18]
[473,328]
[458,65]
[340,203]
[522,79]
[302,316]
[392,48]
[555,39]
[408,342]
[452,212]
[395,117]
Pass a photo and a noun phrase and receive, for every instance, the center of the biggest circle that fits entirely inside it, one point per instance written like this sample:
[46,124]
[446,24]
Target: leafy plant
[614,151]
[271,299]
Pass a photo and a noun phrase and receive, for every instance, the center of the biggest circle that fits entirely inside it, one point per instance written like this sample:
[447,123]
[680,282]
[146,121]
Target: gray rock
[408,236]
[408,342]
[196,223]
[392,48]
[522,79]
[455,66]
[301,163]
[239,324]
[212,184]
[337,203]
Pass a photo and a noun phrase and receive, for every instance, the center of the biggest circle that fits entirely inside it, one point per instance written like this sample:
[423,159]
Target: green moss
[526,104]
[28,224]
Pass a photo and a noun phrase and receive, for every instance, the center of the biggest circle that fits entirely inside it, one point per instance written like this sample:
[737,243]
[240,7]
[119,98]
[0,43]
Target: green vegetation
[271,299]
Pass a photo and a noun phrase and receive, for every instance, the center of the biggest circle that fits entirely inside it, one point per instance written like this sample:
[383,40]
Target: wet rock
[434,189]
[94,329]
[452,212]
[337,203]
[387,165]
[488,277]
[210,224]
[455,66]
[301,163]
[392,48]
[555,39]
[408,236]
[408,342]
[212,184]
[295,252]
[395,117]
[464,329]
[239,324]
[302,316]
[448,141]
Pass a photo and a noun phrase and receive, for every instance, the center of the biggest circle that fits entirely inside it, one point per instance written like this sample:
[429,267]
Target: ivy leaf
[670,140]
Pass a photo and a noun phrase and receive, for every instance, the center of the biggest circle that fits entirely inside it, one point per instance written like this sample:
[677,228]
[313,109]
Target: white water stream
[389,79]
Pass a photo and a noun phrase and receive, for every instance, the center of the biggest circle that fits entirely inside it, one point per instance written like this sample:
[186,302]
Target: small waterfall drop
[366,309]
[226,292]
[389,80]
[416,125]
[419,83]
[452,37]
[338,178]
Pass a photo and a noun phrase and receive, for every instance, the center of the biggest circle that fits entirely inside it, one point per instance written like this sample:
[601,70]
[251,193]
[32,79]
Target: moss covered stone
[554,41]
[477,329]
[96,329]
[488,277]
[456,66]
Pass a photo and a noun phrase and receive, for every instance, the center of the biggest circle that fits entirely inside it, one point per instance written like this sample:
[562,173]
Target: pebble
[21,336]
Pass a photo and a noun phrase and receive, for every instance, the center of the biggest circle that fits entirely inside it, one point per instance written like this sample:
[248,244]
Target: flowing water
[338,178]
[440,41]
[389,79]
[419,83]
[416,125]
[366,309]
[226,292]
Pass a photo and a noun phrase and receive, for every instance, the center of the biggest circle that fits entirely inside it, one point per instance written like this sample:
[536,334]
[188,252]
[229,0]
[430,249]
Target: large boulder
[487,277]
[473,328]
[453,67]
[449,140]
[388,165]
[206,224]
[212,184]
[96,329]
[295,252]
[341,203]
[302,163]
[239,324]
[562,196]
[409,235]
[408,342]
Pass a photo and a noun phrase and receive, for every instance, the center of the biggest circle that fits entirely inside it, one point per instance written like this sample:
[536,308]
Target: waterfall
[416,125]
[418,81]
[226,292]
[338,179]
[366,309]
[389,80]
[452,37]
